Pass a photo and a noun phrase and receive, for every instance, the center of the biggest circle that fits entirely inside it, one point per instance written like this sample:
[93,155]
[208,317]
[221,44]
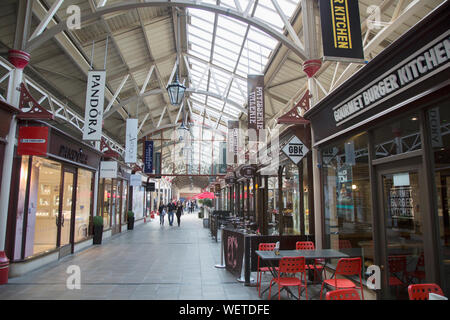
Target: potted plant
[130,220]
[98,229]
[201,212]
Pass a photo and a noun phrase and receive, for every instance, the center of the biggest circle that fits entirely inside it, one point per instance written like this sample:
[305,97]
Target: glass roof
[222,51]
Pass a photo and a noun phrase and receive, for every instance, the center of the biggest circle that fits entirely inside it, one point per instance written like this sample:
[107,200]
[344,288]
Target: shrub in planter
[98,229]
[130,220]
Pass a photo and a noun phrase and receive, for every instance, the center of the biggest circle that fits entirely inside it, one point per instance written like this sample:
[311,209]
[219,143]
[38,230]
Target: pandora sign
[95,97]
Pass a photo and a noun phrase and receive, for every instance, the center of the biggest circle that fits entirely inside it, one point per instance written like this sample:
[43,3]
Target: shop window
[21,207]
[83,205]
[291,200]
[347,196]
[106,207]
[398,137]
[44,195]
[124,201]
[438,118]
[273,204]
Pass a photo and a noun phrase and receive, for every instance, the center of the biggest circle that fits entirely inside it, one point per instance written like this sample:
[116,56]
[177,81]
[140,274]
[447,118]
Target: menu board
[401,203]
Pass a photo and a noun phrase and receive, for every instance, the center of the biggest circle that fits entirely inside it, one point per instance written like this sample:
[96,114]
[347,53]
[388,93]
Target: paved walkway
[150,262]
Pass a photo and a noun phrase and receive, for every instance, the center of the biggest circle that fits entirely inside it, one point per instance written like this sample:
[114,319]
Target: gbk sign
[95,98]
[295,149]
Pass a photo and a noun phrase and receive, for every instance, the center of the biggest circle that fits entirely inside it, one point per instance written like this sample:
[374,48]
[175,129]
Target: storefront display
[113,197]
[56,192]
[383,144]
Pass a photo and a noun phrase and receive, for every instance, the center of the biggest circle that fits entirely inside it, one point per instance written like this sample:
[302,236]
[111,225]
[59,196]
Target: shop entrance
[402,258]
[115,206]
[66,211]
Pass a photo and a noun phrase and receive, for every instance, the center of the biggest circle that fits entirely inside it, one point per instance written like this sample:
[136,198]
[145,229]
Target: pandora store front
[51,207]
[384,153]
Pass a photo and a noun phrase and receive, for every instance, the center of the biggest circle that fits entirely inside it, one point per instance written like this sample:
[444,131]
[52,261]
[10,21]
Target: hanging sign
[255,85]
[232,141]
[341,30]
[135,180]
[434,57]
[33,141]
[108,169]
[131,141]
[95,98]
[157,165]
[150,187]
[434,121]
[148,156]
[295,149]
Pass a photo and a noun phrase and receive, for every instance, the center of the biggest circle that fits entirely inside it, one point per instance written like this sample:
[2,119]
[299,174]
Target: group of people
[191,205]
[170,209]
[175,208]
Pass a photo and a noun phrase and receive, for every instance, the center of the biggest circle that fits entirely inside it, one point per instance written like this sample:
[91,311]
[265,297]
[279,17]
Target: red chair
[261,270]
[345,267]
[397,272]
[291,265]
[345,244]
[343,294]
[421,291]
[319,264]
[419,272]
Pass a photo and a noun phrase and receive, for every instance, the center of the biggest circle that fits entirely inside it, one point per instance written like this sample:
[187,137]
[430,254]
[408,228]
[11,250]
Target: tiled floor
[150,262]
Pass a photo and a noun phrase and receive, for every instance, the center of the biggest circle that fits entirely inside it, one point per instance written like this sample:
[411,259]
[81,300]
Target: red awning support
[33,109]
[109,153]
[293,116]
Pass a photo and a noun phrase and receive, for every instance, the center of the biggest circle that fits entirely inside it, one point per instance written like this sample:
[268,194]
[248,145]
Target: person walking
[162,213]
[170,209]
[179,212]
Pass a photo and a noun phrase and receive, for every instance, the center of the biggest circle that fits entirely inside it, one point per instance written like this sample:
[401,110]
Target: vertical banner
[95,98]
[232,142]
[434,121]
[223,157]
[148,156]
[131,141]
[341,30]
[157,165]
[255,88]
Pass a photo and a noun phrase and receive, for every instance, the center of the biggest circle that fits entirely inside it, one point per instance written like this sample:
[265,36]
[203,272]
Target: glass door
[115,206]
[402,230]
[66,212]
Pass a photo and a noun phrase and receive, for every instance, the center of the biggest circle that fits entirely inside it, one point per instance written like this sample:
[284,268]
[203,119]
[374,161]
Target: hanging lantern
[176,91]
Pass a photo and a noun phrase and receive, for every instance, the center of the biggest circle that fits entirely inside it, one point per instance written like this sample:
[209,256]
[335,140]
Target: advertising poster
[344,190]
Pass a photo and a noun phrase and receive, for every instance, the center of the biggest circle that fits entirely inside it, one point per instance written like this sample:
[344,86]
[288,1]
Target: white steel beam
[124,80]
[48,17]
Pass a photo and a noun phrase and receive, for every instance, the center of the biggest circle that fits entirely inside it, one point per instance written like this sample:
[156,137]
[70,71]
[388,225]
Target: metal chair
[345,267]
[319,264]
[422,291]
[343,294]
[261,270]
[291,265]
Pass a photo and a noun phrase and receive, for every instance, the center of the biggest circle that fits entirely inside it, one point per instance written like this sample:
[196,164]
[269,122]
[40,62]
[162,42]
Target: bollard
[221,265]
[4,268]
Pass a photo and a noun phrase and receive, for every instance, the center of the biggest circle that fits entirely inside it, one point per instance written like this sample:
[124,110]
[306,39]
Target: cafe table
[273,259]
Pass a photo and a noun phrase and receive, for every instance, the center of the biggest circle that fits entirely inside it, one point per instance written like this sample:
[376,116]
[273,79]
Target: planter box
[130,223]
[98,234]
